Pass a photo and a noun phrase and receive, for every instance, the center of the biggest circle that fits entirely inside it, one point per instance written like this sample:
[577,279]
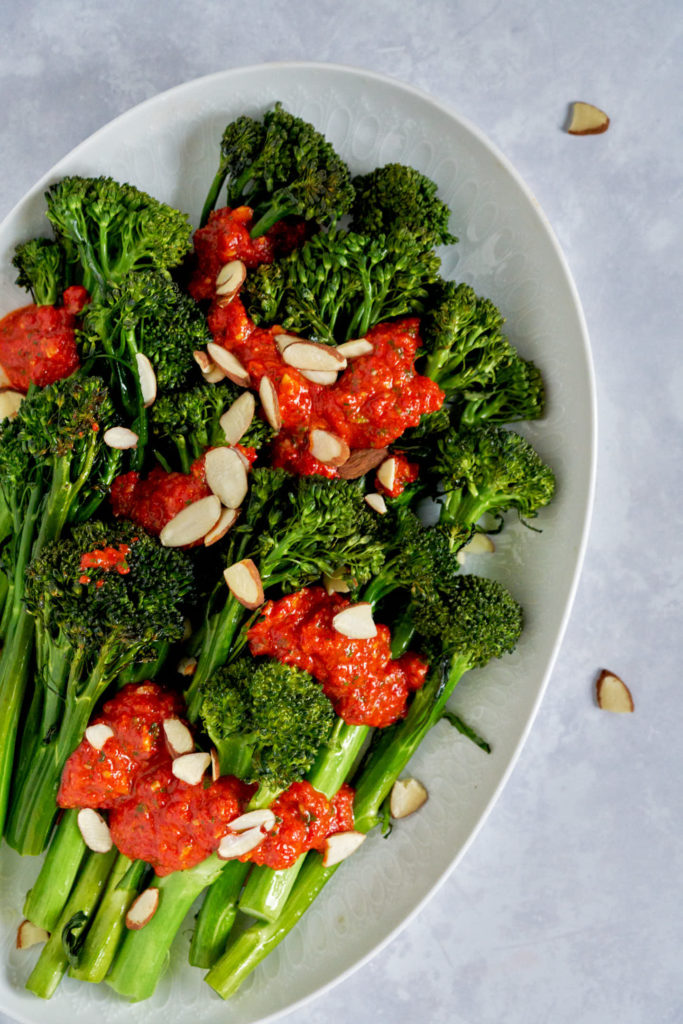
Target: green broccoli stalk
[42,271]
[515,392]
[281,168]
[477,622]
[108,229]
[184,424]
[54,469]
[397,196]
[340,284]
[92,620]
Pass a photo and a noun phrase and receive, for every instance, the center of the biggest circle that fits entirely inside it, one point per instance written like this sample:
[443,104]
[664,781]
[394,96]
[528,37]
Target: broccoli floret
[108,229]
[102,598]
[397,196]
[488,469]
[266,720]
[340,284]
[185,423]
[515,392]
[281,167]
[41,267]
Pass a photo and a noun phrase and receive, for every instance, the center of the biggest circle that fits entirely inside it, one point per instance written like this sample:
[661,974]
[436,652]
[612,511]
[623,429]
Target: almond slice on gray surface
[228,518]
[340,846]
[178,737]
[310,355]
[191,523]
[147,378]
[142,909]
[97,735]
[262,818]
[94,830]
[244,581]
[120,437]
[361,462]
[478,544]
[355,622]
[229,363]
[9,403]
[407,796]
[29,934]
[235,844]
[328,447]
[376,502]
[613,694]
[587,119]
[226,476]
[237,419]
[270,403]
[190,768]
[355,347]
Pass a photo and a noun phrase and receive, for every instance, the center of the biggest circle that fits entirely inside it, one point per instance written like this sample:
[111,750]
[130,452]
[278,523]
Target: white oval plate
[507,251]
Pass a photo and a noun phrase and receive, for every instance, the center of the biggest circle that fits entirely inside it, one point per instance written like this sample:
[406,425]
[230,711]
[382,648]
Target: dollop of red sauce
[225,237]
[106,558]
[38,343]
[374,400]
[364,683]
[406,473]
[305,818]
[153,501]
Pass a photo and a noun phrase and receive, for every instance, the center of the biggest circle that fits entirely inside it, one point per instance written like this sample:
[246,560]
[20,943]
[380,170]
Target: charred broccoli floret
[397,196]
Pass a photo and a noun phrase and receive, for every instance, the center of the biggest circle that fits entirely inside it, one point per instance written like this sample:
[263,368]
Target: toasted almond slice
[613,694]
[376,502]
[235,844]
[186,666]
[9,403]
[245,461]
[587,120]
[142,909]
[94,829]
[284,340]
[340,846]
[310,355]
[226,476]
[478,544]
[262,818]
[355,348]
[147,378]
[215,765]
[4,379]
[229,363]
[270,403]
[356,622]
[328,448]
[190,768]
[237,420]
[335,584]
[178,737]
[386,474]
[191,523]
[244,581]
[202,360]
[230,278]
[229,517]
[407,796]
[120,437]
[29,934]
[97,735]
[324,377]
[361,462]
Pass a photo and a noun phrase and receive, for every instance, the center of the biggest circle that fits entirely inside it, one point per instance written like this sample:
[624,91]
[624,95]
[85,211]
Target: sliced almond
[97,735]
[355,348]
[262,818]
[229,363]
[478,544]
[386,474]
[147,378]
[120,437]
[9,403]
[191,523]
[237,420]
[587,120]
[215,765]
[245,461]
[325,377]
[94,829]
[229,517]
[29,934]
[186,666]
[361,462]
[244,581]
[328,448]
[270,403]
[211,373]
[613,694]
[142,909]
[376,502]
[190,768]
[284,340]
[356,622]
[226,476]
[178,737]
[230,278]
[236,844]
[310,355]
[340,846]
[4,379]
[407,796]
[335,585]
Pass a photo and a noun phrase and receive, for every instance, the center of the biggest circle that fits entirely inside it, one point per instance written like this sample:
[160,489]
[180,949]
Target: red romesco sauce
[154,501]
[106,558]
[304,820]
[406,473]
[38,343]
[99,778]
[364,683]
[372,403]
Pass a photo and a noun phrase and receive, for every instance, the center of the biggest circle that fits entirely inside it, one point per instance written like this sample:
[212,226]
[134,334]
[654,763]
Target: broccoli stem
[212,194]
[459,507]
[53,961]
[106,931]
[45,901]
[217,915]
[270,217]
[220,632]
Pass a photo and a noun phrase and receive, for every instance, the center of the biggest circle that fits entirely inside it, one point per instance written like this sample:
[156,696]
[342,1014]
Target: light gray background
[568,906]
